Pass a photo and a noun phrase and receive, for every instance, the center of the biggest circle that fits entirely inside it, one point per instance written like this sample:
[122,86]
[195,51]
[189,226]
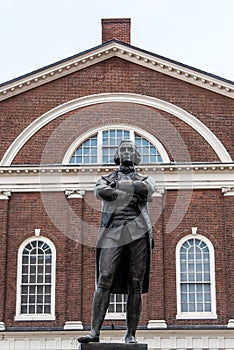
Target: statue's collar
[113,176]
[126,169]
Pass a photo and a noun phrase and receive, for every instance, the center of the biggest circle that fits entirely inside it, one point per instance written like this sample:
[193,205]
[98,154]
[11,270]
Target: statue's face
[126,153]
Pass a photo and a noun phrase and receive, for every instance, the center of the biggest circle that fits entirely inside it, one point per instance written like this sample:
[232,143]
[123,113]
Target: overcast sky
[36,33]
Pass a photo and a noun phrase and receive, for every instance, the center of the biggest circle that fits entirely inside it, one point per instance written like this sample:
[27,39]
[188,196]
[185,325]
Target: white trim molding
[74,193]
[159,192]
[2,326]
[37,232]
[230,323]
[83,178]
[176,111]
[228,191]
[157,324]
[73,325]
[5,195]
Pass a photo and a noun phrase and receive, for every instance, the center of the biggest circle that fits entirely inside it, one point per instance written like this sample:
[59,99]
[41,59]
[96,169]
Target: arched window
[36,280]
[99,147]
[195,278]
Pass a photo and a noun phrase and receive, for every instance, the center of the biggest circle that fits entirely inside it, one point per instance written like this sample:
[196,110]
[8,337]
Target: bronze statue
[124,240]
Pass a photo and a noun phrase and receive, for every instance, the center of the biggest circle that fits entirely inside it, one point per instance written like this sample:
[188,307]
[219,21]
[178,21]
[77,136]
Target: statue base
[112,346]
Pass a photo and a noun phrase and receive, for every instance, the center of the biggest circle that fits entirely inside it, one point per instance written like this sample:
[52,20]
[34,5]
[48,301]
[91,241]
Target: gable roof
[115,48]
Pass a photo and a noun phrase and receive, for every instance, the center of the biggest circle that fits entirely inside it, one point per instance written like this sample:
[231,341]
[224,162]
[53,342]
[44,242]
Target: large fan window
[100,148]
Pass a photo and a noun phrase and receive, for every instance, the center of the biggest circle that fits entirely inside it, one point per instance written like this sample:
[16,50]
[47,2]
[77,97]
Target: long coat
[110,197]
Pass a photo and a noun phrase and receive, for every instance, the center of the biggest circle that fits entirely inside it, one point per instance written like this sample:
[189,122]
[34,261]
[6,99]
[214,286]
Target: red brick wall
[26,213]
[206,213]
[3,262]
[229,238]
[75,269]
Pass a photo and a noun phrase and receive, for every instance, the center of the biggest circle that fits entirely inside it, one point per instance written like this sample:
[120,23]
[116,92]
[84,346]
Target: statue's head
[127,153]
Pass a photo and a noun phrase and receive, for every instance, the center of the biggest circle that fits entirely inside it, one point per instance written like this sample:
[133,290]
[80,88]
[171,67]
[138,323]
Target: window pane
[47,309]
[40,299]
[32,279]
[39,309]
[118,308]
[47,299]
[32,289]
[32,309]
[47,279]
[33,259]
[24,278]
[191,308]
[23,309]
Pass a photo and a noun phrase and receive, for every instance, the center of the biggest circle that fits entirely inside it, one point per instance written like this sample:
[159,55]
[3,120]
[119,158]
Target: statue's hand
[113,184]
[141,189]
[125,185]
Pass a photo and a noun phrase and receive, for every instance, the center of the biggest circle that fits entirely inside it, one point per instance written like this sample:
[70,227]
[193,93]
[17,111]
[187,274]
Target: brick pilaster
[156,309]
[74,264]
[4,196]
[229,232]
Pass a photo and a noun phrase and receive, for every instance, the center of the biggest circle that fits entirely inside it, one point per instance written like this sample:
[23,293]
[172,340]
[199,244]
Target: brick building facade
[59,127]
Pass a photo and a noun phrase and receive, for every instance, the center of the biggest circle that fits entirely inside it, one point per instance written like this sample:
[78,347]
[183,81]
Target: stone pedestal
[112,346]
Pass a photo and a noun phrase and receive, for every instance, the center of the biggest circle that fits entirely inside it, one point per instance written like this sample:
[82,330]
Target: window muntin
[149,154]
[36,280]
[195,279]
[86,153]
[110,140]
[100,148]
[117,306]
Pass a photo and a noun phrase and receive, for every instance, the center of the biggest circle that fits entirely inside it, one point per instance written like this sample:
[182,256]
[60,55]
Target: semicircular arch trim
[178,112]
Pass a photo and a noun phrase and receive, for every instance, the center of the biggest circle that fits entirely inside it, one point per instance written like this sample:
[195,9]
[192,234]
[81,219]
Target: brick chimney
[116,28]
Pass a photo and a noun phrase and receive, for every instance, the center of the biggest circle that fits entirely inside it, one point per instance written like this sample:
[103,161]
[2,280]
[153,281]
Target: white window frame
[35,317]
[115,315]
[196,315]
[132,128]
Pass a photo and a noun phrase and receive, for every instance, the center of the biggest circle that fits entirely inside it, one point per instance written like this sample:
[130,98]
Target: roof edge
[124,44]
[122,50]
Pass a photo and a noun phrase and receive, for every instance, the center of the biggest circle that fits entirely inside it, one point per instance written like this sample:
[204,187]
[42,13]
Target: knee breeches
[110,258]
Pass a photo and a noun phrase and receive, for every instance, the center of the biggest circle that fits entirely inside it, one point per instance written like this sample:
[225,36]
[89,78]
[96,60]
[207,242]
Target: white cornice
[79,179]
[128,53]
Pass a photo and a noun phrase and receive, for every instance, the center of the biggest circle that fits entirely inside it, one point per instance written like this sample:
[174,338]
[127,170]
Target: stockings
[101,303]
[134,305]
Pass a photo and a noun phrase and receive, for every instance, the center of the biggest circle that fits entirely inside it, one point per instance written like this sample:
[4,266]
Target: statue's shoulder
[140,177]
[110,177]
